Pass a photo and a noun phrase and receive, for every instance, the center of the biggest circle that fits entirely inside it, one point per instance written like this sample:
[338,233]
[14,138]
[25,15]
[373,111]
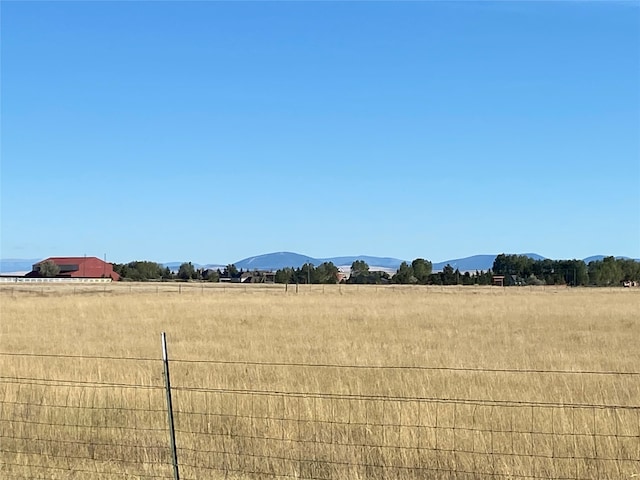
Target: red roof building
[78,267]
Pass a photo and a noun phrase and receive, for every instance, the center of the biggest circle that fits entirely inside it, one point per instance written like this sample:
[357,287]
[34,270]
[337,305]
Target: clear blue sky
[214,131]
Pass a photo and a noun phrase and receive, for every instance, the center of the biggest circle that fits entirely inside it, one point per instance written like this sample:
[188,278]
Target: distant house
[506,280]
[257,276]
[77,267]
[343,274]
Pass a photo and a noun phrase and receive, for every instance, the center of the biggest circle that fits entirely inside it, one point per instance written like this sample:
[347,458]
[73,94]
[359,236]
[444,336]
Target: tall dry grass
[270,383]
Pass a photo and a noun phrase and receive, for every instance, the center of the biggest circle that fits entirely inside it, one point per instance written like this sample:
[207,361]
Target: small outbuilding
[77,267]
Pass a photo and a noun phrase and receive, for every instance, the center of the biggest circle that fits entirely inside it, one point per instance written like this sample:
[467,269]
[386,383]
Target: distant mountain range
[11,265]
[476,262]
[278,260]
[175,266]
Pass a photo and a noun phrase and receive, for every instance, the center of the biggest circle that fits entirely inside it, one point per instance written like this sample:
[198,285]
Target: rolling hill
[278,260]
[476,262]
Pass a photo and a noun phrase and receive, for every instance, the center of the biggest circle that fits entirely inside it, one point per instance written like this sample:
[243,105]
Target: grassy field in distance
[323,415]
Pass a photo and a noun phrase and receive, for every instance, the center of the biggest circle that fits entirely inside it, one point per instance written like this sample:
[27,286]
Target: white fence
[15,279]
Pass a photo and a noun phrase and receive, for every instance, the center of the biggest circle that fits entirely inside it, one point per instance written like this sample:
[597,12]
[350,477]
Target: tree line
[417,272]
[523,270]
[516,270]
[142,271]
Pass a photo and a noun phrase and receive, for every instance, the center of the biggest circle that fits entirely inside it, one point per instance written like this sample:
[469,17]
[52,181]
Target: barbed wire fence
[45,289]
[59,428]
[106,417]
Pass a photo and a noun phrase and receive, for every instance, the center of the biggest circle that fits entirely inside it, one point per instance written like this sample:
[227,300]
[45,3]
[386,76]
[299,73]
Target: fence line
[107,419]
[303,437]
[107,287]
[57,280]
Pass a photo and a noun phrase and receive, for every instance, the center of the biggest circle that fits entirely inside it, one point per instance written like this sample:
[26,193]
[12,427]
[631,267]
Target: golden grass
[246,420]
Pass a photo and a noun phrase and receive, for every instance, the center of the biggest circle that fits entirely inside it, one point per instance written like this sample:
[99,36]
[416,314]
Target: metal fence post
[172,432]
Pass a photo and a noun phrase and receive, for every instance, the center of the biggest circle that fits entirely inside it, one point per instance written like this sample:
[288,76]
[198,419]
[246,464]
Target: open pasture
[331,382]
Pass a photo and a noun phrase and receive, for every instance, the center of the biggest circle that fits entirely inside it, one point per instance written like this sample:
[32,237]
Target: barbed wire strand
[402,425]
[75,383]
[333,365]
[395,398]
[79,470]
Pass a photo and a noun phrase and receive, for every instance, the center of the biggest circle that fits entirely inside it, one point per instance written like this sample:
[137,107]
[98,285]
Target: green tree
[404,275]
[483,278]
[327,272]
[533,280]
[359,268]
[307,274]
[449,276]
[140,271]
[421,270]
[211,275]
[121,269]
[49,269]
[571,272]
[285,275]
[630,269]
[519,265]
[230,271]
[186,271]
[606,272]
[359,272]
[149,270]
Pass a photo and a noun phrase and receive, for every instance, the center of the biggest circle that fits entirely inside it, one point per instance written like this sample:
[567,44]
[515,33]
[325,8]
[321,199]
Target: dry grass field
[334,382]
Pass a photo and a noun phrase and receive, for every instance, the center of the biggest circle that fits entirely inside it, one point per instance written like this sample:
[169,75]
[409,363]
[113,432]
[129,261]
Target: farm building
[77,267]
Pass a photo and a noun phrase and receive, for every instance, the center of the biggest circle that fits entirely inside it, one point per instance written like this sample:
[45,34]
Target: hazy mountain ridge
[17,264]
[275,261]
[598,258]
[175,266]
[476,262]
[278,260]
